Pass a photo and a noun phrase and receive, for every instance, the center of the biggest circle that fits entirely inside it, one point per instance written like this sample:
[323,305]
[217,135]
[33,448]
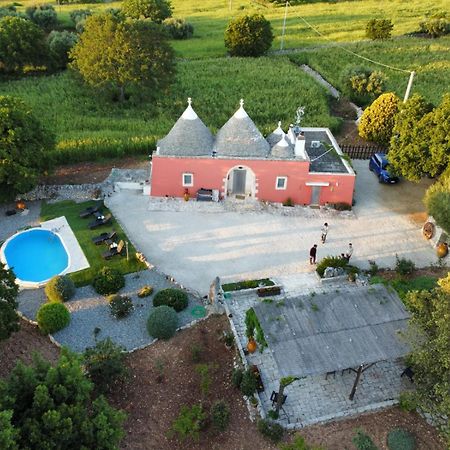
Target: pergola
[343,330]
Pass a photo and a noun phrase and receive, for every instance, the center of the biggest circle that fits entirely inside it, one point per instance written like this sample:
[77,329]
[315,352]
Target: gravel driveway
[194,246]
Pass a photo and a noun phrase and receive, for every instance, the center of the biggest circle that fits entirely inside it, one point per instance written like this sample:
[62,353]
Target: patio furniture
[332,372]
[101,220]
[114,251]
[11,212]
[89,211]
[104,237]
[409,373]
[204,195]
[274,398]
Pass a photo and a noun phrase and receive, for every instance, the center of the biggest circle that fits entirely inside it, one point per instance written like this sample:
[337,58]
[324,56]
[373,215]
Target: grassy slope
[84,235]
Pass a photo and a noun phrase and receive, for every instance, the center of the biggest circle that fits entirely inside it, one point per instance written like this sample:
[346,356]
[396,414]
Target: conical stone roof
[282,149]
[188,137]
[240,137]
[276,135]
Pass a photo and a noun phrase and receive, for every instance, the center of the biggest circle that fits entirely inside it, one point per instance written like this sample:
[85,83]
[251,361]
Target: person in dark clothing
[312,254]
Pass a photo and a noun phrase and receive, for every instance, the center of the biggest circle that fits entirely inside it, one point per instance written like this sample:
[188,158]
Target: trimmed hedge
[60,289]
[162,322]
[52,317]
[108,281]
[175,298]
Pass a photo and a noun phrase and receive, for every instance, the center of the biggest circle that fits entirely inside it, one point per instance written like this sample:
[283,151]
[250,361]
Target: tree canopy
[9,320]
[24,148]
[156,10]
[437,200]
[116,53]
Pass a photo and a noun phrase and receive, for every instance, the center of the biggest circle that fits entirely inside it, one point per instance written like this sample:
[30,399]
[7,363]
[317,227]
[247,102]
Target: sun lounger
[100,239]
[88,211]
[99,222]
[114,251]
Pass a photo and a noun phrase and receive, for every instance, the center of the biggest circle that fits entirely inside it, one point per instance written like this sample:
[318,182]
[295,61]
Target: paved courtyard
[199,242]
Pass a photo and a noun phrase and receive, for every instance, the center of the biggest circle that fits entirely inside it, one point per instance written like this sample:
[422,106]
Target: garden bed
[247,284]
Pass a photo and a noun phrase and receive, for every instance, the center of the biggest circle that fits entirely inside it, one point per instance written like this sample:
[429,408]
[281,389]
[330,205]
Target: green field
[80,118]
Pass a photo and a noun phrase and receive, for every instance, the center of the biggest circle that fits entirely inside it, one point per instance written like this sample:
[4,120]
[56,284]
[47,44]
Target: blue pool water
[36,255]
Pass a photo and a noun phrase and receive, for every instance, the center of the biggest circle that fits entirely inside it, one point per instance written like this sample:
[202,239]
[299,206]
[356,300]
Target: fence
[361,151]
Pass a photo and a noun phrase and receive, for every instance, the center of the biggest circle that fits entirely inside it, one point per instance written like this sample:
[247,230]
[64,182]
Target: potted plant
[251,344]
[253,401]
[228,339]
[442,249]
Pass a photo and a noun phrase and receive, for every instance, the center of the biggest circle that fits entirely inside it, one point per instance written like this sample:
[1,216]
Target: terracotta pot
[251,345]
[186,197]
[20,204]
[442,250]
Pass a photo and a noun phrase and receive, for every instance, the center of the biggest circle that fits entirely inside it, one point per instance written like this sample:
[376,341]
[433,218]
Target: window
[281,183]
[188,179]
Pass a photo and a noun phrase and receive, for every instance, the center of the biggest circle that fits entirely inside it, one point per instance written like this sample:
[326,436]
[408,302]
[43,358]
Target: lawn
[93,253]
[88,126]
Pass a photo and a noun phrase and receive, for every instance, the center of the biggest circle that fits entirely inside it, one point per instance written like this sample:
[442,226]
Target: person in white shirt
[324,231]
[349,252]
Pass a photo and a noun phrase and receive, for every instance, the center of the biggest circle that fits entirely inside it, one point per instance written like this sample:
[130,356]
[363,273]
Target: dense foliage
[155,10]
[108,281]
[162,322]
[9,320]
[220,415]
[271,430]
[299,443]
[24,148]
[379,29]
[404,266]
[105,364]
[178,28]
[377,121]
[249,36]
[120,305]
[119,54]
[248,383]
[363,85]
[52,317]
[436,25]
[78,17]
[60,289]
[254,329]
[60,43]
[47,407]
[189,423]
[43,15]
[175,298]
[330,261]
[437,200]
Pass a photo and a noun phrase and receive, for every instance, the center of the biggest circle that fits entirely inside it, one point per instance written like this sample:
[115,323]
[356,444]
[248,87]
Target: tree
[52,408]
[119,54]
[377,121]
[9,320]
[24,148]
[363,85]
[379,29]
[437,200]
[22,43]
[436,25]
[43,15]
[248,36]
[156,10]
[60,43]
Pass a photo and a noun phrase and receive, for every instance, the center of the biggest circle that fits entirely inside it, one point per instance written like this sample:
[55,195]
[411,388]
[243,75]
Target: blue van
[380,165]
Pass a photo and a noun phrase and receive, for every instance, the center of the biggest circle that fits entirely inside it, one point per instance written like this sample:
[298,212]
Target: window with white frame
[188,179]
[281,183]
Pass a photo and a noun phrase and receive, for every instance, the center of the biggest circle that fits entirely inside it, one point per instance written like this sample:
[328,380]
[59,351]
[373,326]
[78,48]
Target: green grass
[403,286]
[84,235]
[88,127]
[247,284]
[429,58]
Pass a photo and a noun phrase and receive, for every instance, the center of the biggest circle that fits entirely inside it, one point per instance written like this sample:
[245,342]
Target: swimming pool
[35,255]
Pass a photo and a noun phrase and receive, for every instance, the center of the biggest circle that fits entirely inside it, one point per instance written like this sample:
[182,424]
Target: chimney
[300,147]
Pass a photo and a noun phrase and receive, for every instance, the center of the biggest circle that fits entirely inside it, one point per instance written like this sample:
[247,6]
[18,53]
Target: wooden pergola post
[359,372]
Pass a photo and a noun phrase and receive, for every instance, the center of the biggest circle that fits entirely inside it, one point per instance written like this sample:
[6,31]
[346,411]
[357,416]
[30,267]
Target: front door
[239,176]
[315,195]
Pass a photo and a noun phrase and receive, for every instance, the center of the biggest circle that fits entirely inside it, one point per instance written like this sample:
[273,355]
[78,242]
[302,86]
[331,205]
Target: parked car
[380,165]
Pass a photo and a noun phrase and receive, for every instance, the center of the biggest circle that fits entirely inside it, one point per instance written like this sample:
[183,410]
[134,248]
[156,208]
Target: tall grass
[88,126]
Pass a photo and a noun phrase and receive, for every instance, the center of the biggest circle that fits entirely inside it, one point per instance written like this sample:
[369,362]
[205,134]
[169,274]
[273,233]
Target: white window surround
[187,179]
[281,186]
[317,183]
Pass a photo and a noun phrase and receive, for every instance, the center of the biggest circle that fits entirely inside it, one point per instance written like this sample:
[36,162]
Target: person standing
[312,254]
[349,252]
[324,231]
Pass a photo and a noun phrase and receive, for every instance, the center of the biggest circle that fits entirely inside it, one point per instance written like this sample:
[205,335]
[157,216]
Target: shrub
[404,266]
[400,439]
[205,378]
[373,268]
[330,261]
[407,401]
[178,28]
[175,298]
[270,430]
[60,43]
[52,317]
[363,442]
[189,422]
[342,206]
[162,322]
[156,10]
[105,364]
[43,16]
[248,383]
[299,443]
[248,36]
[120,305]
[379,29]
[437,201]
[254,329]
[220,415]
[78,17]
[436,25]
[145,291]
[60,289]
[288,202]
[363,85]
[108,281]
[236,377]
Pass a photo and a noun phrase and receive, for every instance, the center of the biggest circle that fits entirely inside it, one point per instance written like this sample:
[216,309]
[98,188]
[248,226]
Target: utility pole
[408,88]
[231,4]
[284,26]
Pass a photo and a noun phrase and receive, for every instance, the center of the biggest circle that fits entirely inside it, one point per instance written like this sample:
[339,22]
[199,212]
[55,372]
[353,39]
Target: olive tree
[156,10]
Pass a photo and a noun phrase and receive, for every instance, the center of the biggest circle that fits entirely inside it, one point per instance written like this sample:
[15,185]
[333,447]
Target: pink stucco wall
[210,173]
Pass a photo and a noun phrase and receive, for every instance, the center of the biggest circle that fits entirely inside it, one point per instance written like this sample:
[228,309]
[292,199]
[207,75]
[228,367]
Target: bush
[236,377]
[155,10]
[407,401]
[404,266]
[248,383]
[60,43]
[437,201]
[270,430]
[363,442]
[248,36]
[60,289]
[178,28]
[400,439]
[162,322]
[362,85]
[189,422]
[145,291]
[108,281]
[105,364]
[78,17]
[330,261]
[175,298]
[288,202]
[52,317]
[342,206]
[43,16]
[220,415]
[120,305]
[299,443]
[436,25]
[379,29]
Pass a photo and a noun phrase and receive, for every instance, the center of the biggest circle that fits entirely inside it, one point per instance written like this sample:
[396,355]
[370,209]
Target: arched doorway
[240,182]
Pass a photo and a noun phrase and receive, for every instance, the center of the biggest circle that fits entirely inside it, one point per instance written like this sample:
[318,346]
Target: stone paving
[317,399]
